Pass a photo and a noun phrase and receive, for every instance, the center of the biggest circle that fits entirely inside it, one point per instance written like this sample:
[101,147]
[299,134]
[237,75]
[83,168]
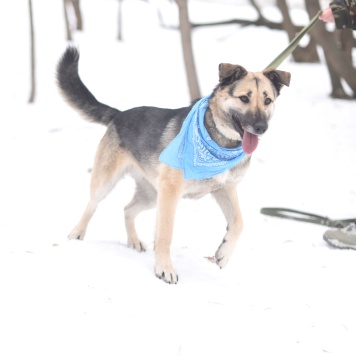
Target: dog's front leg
[228,202]
[169,192]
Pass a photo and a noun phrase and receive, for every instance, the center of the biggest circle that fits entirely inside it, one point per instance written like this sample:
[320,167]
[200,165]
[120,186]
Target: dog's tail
[77,94]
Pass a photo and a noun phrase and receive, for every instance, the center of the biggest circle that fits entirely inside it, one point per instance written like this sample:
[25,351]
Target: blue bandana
[194,151]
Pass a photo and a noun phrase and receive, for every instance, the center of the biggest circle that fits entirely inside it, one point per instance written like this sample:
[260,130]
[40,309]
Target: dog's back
[141,129]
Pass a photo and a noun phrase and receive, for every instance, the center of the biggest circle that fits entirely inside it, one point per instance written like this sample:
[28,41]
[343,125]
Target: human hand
[327,15]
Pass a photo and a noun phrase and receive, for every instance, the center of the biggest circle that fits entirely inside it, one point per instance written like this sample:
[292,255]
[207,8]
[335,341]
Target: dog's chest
[196,189]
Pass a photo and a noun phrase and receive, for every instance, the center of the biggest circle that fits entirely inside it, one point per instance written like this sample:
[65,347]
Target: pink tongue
[249,142]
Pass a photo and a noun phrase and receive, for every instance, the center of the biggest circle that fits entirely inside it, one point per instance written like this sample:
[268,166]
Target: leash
[291,213]
[305,217]
[293,44]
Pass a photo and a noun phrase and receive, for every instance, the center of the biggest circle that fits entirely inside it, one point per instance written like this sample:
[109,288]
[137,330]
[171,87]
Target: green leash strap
[290,213]
[292,46]
[305,217]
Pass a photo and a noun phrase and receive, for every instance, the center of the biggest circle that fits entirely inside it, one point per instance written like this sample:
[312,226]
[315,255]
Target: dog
[234,116]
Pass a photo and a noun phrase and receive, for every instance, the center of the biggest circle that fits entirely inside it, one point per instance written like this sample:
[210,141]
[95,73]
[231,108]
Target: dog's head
[243,102]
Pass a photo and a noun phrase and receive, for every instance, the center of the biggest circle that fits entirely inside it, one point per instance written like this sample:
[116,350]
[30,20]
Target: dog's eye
[244,99]
[268,101]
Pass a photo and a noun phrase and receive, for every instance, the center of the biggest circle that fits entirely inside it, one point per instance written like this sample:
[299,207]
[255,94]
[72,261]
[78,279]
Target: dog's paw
[167,273]
[137,245]
[223,254]
[76,235]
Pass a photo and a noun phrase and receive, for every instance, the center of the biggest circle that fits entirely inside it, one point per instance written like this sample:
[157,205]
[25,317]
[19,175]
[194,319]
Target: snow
[284,291]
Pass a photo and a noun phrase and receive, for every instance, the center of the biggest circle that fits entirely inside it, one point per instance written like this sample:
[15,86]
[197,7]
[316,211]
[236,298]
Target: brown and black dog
[238,112]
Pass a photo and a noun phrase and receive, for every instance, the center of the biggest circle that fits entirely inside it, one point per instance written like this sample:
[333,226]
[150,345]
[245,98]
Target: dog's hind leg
[228,201]
[145,198]
[109,164]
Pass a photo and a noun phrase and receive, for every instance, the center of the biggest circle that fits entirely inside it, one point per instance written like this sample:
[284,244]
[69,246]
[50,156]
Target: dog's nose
[260,128]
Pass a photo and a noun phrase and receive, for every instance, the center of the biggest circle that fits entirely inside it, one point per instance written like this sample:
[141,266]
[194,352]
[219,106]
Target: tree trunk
[185,32]
[78,14]
[33,63]
[337,90]
[119,32]
[345,42]
[307,54]
[338,62]
[66,21]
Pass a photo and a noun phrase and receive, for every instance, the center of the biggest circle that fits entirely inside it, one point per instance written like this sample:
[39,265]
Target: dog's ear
[278,78]
[228,73]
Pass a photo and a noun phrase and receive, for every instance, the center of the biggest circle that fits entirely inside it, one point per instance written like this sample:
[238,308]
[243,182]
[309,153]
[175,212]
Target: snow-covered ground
[284,292]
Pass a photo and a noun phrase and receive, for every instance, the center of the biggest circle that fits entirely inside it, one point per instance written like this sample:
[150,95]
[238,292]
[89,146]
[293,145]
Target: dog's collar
[194,151]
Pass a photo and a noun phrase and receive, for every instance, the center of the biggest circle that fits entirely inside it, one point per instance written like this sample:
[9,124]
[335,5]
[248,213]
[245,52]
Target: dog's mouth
[249,140]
